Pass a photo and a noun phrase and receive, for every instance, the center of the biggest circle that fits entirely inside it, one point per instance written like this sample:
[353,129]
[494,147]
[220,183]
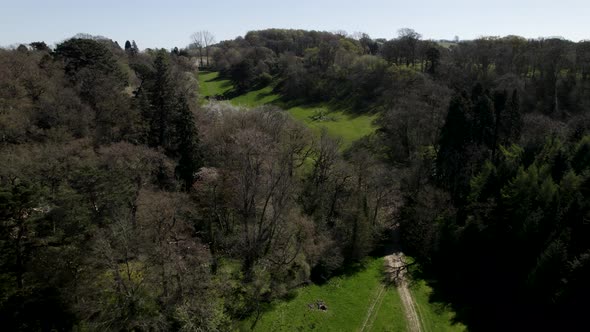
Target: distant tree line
[550,74]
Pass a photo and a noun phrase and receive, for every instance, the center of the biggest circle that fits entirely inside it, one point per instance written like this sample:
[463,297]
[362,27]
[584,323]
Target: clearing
[353,302]
[339,124]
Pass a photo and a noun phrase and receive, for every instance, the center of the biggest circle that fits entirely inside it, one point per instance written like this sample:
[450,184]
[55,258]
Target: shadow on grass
[214,79]
[263,95]
[442,300]
[226,84]
[320,275]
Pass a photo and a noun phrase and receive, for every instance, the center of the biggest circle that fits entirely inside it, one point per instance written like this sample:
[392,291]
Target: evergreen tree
[134,48]
[187,144]
[161,100]
[483,119]
[452,160]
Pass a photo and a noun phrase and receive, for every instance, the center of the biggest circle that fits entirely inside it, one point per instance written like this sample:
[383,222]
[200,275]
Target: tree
[187,144]
[199,41]
[79,54]
[433,58]
[452,161]
[161,95]
[134,48]
[409,39]
[208,40]
[40,46]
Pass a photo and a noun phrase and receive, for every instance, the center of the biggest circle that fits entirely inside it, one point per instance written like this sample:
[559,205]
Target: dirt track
[397,275]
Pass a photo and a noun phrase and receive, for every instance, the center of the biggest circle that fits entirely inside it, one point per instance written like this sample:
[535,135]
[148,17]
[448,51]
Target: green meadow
[339,124]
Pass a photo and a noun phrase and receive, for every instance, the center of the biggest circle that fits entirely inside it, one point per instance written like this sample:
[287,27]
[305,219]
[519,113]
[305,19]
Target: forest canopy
[130,202]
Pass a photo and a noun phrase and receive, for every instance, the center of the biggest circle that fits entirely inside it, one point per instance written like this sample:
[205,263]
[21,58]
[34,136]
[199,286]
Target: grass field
[347,127]
[339,124]
[256,98]
[357,302]
[210,84]
[348,298]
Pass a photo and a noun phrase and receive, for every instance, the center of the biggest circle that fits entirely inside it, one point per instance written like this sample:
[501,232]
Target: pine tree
[161,99]
[134,48]
[187,143]
[452,160]
[513,119]
[483,120]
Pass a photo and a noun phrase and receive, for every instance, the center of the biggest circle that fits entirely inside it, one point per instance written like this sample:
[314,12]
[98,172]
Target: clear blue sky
[170,23]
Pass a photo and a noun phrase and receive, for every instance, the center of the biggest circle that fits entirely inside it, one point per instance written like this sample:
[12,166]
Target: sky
[170,23]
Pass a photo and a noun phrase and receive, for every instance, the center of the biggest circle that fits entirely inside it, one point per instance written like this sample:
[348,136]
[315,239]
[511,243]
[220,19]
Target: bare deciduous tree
[197,39]
[208,40]
[203,39]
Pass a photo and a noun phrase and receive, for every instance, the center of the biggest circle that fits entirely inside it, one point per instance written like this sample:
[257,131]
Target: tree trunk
[207,55]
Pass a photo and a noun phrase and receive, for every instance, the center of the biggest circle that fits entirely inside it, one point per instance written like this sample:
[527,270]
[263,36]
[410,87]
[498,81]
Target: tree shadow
[444,298]
[214,79]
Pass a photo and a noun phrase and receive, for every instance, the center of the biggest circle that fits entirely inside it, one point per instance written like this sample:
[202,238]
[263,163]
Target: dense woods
[129,203]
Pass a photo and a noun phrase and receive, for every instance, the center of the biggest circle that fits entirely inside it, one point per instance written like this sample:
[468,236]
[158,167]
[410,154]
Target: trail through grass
[348,299]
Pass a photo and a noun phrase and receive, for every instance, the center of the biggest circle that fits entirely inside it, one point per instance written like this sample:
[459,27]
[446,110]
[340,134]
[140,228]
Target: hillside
[339,124]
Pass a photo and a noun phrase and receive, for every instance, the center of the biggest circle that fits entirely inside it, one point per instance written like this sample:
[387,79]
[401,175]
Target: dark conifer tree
[187,144]
[161,98]
[451,160]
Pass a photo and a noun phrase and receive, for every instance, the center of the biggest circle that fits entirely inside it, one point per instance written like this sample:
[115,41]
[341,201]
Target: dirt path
[397,275]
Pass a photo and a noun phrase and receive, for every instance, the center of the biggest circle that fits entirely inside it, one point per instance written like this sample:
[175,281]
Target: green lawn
[256,98]
[210,84]
[348,298]
[346,127]
[388,314]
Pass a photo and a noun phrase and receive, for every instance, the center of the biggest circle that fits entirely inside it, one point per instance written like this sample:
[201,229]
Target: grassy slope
[347,127]
[348,298]
[341,125]
[211,85]
[256,98]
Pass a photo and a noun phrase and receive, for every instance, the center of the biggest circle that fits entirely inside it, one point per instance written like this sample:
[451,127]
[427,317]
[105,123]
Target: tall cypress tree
[513,123]
[451,160]
[161,99]
[187,143]
[483,120]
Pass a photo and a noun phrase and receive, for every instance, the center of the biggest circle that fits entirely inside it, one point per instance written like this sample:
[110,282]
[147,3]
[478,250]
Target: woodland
[130,202]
